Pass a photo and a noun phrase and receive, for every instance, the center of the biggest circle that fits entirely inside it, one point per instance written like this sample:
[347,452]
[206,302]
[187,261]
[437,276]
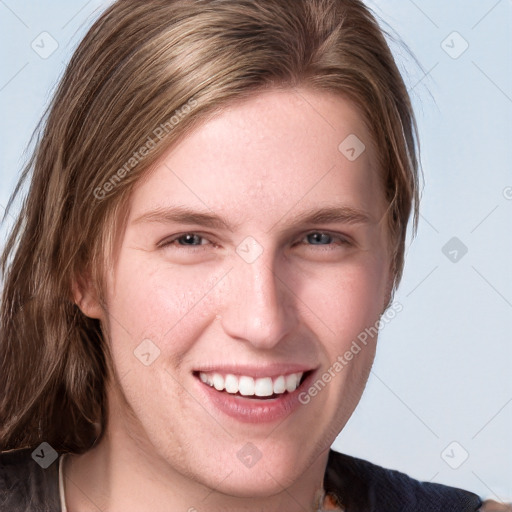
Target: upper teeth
[248,386]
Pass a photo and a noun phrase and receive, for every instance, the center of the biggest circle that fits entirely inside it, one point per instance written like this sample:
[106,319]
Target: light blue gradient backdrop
[442,371]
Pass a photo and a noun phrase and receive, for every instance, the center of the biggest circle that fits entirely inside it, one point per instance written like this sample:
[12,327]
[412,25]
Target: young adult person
[218,208]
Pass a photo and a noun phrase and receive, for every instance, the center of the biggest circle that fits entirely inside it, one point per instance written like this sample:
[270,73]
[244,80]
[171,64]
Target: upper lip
[255,371]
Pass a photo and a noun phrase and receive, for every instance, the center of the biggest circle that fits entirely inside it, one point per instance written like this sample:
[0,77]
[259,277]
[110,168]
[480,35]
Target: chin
[256,483]
[278,467]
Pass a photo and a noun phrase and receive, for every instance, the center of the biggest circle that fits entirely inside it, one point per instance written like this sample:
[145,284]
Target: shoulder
[361,485]
[25,485]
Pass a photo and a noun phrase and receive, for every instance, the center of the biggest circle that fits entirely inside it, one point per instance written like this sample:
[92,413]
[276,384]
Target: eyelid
[174,238]
[343,239]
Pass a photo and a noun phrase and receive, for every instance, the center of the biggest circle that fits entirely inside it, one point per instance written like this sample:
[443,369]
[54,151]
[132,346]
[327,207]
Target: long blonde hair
[144,75]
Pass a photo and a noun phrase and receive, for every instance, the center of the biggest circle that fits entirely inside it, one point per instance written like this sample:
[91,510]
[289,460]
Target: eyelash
[173,241]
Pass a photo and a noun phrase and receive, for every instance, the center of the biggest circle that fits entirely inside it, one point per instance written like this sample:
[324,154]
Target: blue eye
[185,240]
[189,239]
[314,238]
[319,238]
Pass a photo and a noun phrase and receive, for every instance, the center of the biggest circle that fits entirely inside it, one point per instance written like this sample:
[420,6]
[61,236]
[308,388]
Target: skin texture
[259,164]
[495,506]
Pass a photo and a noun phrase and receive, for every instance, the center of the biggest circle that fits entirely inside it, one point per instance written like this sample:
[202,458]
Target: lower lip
[253,410]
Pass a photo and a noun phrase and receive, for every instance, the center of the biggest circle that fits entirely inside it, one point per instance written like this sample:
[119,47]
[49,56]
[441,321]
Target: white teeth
[280,385]
[218,381]
[248,386]
[291,382]
[263,387]
[231,383]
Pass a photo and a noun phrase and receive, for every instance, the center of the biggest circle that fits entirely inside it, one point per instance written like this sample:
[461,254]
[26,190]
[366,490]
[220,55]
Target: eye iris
[319,238]
[188,239]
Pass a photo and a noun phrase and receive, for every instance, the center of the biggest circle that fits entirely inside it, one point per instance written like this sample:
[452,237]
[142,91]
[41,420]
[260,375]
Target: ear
[85,297]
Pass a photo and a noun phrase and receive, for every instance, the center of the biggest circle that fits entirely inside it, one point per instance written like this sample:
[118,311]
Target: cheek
[347,300]
[159,303]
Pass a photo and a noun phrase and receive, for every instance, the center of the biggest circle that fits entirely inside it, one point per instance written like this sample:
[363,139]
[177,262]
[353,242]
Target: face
[254,255]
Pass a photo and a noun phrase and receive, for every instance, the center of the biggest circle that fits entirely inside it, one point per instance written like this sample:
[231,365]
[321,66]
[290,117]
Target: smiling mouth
[265,388]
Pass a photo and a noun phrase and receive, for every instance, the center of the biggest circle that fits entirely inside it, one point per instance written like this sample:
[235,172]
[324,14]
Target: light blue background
[442,372]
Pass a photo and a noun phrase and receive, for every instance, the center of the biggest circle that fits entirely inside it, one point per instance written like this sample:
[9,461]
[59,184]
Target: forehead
[277,151]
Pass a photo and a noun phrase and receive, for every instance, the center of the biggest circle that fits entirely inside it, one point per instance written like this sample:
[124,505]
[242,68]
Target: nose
[259,305]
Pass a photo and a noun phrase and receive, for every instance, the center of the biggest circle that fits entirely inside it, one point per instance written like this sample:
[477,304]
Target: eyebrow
[185,215]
